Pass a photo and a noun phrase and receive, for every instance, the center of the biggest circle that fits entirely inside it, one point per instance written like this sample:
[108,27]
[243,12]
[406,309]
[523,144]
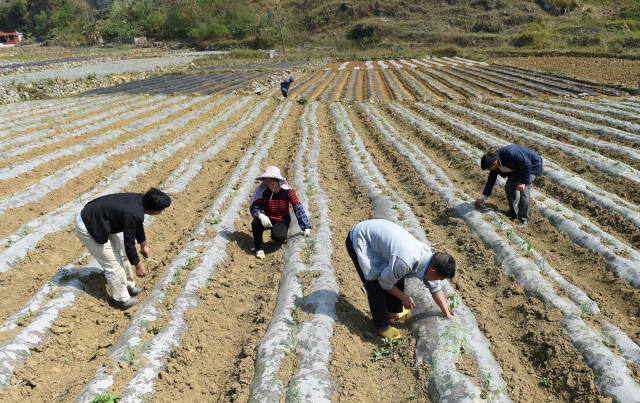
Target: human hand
[451,316]
[141,271]
[266,222]
[520,187]
[479,202]
[407,302]
[146,250]
[307,232]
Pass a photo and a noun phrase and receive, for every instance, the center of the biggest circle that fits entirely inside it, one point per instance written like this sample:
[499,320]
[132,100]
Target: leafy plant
[27,314]
[177,277]
[66,275]
[291,340]
[453,301]
[386,348]
[155,329]
[214,220]
[303,100]
[296,314]
[106,398]
[149,260]
[546,381]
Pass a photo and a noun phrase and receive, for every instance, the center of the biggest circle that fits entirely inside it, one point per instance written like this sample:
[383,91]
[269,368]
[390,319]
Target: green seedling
[149,260]
[291,340]
[296,314]
[236,186]
[214,220]
[387,347]
[155,329]
[302,100]
[189,264]
[27,314]
[546,381]
[453,301]
[584,309]
[66,275]
[106,398]
[176,278]
[306,277]
[51,286]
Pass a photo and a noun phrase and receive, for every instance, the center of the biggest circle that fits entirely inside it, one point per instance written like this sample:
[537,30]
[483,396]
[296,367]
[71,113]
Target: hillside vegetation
[390,26]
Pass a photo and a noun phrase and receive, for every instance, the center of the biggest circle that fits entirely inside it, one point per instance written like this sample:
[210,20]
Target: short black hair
[487,160]
[444,264]
[155,199]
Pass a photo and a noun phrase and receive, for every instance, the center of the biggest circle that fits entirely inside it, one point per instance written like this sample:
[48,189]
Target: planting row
[224,83]
[435,79]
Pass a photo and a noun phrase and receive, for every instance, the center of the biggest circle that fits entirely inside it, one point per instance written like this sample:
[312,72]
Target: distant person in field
[270,209]
[97,227]
[284,86]
[520,166]
[385,254]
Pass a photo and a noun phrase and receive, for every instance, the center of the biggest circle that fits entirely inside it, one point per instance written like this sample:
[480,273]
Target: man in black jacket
[521,166]
[106,216]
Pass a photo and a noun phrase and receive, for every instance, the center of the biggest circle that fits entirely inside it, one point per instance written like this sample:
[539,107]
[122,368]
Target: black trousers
[279,232]
[380,301]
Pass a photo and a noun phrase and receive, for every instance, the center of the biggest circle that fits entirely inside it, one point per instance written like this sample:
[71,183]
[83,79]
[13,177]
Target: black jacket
[522,160]
[119,212]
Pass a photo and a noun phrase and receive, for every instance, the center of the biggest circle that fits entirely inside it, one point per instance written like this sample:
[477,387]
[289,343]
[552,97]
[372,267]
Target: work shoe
[401,315]
[392,333]
[523,224]
[125,304]
[135,290]
[260,254]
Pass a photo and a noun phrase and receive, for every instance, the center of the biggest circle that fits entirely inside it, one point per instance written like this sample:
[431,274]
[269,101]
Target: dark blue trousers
[381,303]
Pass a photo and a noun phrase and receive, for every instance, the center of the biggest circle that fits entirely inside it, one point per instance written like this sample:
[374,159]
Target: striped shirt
[276,207]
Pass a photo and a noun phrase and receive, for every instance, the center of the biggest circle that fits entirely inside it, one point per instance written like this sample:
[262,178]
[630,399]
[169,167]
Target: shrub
[557,7]
[623,44]
[585,40]
[207,30]
[364,34]
[525,39]
[487,23]
[519,19]
[446,51]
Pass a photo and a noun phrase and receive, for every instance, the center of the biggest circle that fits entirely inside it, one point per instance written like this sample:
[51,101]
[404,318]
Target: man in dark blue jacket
[284,86]
[520,166]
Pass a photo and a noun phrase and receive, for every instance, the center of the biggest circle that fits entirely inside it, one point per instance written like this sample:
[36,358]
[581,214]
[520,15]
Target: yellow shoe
[401,315]
[392,333]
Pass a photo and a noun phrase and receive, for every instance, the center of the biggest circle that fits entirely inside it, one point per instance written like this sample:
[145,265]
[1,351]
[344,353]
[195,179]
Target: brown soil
[616,72]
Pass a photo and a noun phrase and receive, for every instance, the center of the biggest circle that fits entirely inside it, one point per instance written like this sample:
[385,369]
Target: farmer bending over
[270,209]
[384,254]
[521,166]
[284,86]
[102,219]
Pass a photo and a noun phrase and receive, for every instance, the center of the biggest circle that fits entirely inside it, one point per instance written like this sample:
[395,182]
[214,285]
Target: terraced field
[546,313]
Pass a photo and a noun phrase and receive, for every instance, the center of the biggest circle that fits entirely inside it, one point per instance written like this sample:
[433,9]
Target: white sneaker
[260,254]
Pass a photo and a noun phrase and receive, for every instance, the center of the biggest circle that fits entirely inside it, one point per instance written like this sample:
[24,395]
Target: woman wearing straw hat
[270,209]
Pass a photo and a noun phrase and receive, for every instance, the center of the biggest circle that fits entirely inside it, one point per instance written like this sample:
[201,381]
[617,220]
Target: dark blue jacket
[522,160]
[284,86]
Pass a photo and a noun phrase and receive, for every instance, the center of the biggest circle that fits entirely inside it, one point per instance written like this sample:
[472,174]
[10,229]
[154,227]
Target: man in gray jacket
[384,254]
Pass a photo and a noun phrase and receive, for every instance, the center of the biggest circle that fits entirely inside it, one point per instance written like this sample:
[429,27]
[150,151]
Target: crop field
[545,313]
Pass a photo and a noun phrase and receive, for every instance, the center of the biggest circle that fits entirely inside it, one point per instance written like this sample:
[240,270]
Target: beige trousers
[113,260]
